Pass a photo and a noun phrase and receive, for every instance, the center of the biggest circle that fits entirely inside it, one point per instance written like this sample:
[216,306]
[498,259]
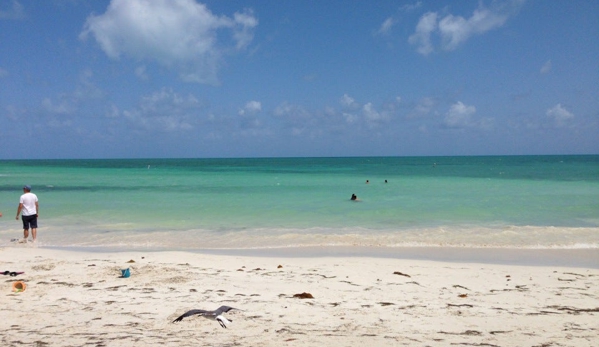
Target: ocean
[522,202]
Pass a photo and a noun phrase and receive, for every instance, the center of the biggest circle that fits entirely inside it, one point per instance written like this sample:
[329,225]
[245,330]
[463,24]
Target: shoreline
[79,298]
[582,258]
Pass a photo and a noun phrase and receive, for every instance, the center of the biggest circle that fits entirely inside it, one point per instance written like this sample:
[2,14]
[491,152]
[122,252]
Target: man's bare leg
[25,234]
[34,234]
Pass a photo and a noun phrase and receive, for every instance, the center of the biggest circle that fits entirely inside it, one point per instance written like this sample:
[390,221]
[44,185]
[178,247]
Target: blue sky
[184,78]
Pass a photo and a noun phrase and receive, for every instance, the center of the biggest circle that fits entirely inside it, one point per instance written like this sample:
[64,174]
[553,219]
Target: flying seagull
[214,315]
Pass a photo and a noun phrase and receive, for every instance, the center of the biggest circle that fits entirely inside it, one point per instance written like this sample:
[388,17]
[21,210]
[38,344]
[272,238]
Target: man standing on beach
[29,206]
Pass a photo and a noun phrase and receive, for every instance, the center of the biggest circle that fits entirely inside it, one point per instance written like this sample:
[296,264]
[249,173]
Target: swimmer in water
[354,197]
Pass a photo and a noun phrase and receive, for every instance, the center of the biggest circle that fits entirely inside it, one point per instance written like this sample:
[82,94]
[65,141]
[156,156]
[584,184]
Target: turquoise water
[499,201]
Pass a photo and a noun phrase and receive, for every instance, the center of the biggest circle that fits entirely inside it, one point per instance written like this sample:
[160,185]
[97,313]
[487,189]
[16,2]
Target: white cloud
[166,97]
[350,117]
[455,30]
[315,123]
[251,107]
[178,34]
[283,109]
[546,68]
[423,108]
[348,102]
[559,114]
[422,37]
[386,26]
[372,116]
[243,25]
[164,110]
[292,113]
[459,115]
[410,7]
[370,113]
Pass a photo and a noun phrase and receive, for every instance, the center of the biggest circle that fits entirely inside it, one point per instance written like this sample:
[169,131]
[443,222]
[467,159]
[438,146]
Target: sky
[297,78]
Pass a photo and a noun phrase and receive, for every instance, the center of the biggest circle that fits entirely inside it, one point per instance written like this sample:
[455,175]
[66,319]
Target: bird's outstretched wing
[224,309]
[191,313]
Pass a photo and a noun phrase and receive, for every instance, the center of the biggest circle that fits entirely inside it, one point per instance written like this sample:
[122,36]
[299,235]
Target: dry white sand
[78,299]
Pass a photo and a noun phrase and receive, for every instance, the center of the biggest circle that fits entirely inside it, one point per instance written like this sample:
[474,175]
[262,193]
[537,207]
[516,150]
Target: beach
[540,202]
[76,298]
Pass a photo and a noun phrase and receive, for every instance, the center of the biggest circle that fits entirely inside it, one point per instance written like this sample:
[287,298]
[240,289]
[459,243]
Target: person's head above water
[354,197]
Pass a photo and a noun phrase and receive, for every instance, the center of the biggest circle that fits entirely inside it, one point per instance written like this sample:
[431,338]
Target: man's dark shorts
[29,222]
